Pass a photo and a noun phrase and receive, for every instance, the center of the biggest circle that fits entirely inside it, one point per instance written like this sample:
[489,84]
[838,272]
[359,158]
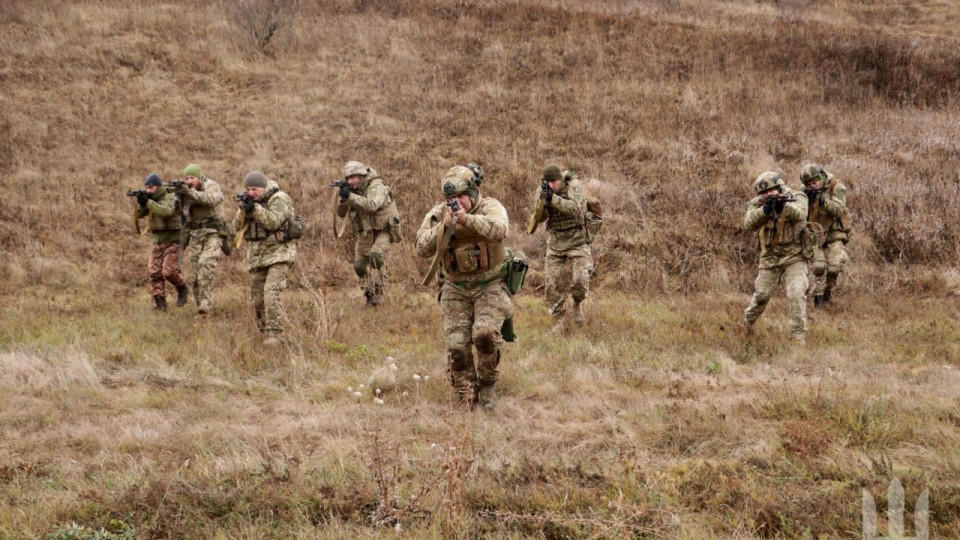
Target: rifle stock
[441,247]
[537,215]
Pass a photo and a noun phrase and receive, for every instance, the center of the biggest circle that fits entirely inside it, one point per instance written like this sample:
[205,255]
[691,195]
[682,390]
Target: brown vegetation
[658,420]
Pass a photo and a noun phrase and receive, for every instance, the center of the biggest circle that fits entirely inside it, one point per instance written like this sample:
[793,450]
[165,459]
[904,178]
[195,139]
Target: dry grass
[657,420]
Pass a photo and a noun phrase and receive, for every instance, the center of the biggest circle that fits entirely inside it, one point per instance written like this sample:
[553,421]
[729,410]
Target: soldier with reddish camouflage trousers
[264,211]
[160,203]
[565,214]
[779,215]
[827,199]
[474,300]
[204,201]
[375,220]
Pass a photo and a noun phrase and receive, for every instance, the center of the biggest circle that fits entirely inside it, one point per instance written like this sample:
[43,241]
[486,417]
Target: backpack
[593,220]
[291,229]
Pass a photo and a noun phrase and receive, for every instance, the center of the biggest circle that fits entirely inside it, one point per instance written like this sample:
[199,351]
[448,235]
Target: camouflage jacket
[486,223]
[205,206]
[565,215]
[780,240]
[269,214]
[371,206]
[830,211]
[163,208]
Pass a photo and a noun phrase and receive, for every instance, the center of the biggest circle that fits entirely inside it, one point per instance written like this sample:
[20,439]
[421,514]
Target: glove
[780,204]
[248,204]
[183,189]
[344,192]
[768,205]
[142,198]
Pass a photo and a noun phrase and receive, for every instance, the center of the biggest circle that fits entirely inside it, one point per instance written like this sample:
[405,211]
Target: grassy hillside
[659,419]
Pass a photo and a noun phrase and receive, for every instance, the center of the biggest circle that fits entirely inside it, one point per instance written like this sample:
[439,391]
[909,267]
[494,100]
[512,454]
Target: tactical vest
[379,220]
[201,214]
[256,232]
[470,254]
[828,222]
[168,224]
[557,222]
[782,233]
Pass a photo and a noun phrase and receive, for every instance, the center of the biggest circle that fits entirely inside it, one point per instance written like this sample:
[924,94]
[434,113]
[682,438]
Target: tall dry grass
[658,420]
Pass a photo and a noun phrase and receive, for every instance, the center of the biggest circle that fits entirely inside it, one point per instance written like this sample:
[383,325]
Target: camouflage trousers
[204,252]
[369,261]
[163,267]
[473,317]
[266,284]
[794,276]
[827,265]
[561,281]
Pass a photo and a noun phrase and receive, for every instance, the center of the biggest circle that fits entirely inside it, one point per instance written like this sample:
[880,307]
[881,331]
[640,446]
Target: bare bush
[261,20]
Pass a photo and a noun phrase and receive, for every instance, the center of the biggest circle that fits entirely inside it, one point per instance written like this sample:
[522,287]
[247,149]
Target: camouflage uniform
[372,212]
[567,242]
[268,259]
[828,208]
[205,221]
[781,259]
[474,300]
[163,209]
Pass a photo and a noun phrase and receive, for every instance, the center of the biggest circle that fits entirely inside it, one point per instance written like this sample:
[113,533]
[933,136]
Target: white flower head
[349,389]
[416,377]
[378,391]
[357,395]
[378,401]
[426,378]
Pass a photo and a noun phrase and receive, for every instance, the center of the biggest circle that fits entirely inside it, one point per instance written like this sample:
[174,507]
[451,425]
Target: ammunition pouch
[393,228]
[291,229]
[515,271]
[810,237]
[467,259]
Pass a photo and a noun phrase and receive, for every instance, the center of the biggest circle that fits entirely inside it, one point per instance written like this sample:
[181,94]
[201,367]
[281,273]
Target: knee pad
[833,272]
[360,267]
[485,340]
[376,260]
[818,268]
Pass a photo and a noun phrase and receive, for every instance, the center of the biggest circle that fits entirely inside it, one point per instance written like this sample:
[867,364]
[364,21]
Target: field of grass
[659,419]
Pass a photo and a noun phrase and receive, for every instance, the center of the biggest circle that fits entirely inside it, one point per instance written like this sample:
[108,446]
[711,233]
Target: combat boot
[371,298]
[378,294]
[826,296]
[204,307]
[161,303]
[183,294]
[487,397]
[818,301]
[578,316]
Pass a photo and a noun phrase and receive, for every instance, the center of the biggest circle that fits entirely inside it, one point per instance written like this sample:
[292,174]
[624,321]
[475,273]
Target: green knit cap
[192,170]
[552,172]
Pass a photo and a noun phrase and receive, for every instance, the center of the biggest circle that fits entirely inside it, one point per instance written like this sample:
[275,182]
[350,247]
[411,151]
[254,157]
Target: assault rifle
[137,193]
[537,215]
[184,218]
[241,199]
[339,225]
[443,242]
[778,198]
[814,194]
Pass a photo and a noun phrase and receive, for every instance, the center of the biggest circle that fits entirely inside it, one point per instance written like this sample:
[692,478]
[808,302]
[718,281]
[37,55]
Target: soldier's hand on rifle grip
[547,192]
[779,204]
[246,202]
[344,192]
[142,198]
[768,205]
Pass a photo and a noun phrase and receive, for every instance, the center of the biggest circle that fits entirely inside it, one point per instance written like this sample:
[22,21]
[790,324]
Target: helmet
[768,180]
[458,179]
[355,168]
[812,172]
[552,172]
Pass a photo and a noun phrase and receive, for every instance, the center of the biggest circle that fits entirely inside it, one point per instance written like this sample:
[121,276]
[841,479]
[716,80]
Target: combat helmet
[812,172]
[767,180]
[355,168]
[460,179]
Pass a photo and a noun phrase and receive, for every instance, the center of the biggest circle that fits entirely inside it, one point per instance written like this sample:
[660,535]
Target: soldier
[264,213]
[779,215]
[827,198]
[474,300]
[161,204]
[204,201]
[565,214]
[375,220]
